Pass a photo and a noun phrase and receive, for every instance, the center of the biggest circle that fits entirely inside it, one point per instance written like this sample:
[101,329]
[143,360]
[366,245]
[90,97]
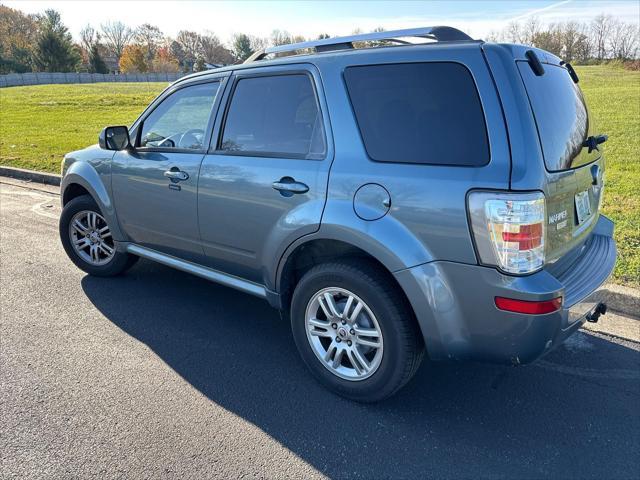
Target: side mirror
[114,138]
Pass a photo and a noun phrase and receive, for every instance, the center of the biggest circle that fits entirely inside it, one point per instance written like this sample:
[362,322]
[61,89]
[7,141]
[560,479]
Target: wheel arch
[82,178]
[313,250]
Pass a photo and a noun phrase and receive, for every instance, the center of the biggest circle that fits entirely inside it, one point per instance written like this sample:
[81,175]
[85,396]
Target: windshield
[561,116]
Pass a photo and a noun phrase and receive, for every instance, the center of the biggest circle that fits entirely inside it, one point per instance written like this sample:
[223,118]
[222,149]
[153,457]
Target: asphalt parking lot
[158,374]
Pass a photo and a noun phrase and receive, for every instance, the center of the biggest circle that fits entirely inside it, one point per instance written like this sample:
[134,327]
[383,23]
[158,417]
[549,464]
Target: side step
[200,271]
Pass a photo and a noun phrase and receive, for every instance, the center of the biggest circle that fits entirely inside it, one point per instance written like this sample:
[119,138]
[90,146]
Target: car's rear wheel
[86,237]
[355,330]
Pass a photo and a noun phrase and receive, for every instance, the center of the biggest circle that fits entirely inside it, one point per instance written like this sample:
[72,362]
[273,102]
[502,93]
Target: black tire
[403,343]
[119,263]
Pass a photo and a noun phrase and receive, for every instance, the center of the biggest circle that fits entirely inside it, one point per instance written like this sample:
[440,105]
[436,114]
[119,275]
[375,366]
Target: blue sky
[224,18]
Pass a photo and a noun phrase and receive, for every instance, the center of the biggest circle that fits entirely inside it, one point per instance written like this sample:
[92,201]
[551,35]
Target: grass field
[39,124]
[614,100]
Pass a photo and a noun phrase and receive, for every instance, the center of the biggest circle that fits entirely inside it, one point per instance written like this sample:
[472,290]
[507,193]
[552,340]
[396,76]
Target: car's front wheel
[355,330]
[87,239]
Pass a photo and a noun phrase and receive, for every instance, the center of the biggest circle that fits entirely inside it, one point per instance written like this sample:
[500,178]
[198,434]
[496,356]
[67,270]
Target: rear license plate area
[583,206]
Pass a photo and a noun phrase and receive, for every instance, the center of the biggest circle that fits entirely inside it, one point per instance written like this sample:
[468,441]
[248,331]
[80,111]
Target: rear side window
[561,116]
[274,116]
[425,113]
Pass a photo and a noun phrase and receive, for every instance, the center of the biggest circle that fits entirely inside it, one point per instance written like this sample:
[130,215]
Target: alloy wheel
[344,333]
[91,238]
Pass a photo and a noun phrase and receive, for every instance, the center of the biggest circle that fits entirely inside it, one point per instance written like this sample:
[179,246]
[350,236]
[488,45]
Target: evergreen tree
[54,50]
[95,60]
[241,47]
[199,65]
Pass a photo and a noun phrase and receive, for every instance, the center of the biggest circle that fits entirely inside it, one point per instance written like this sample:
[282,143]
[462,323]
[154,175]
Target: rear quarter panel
[427,220]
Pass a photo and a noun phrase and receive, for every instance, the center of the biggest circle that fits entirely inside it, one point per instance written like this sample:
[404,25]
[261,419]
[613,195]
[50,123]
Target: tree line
[603,38]
[42,43]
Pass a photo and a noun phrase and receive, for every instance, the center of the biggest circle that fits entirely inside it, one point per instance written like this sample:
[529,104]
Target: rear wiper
[593,141]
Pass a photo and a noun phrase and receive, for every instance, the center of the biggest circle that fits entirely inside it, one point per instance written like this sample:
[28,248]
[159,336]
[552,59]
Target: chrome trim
[198,270]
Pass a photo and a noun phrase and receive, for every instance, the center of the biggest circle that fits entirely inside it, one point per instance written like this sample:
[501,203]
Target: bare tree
[213,51]
[89,36]
[150,37]
[584,45]
[530,30]
[190,44]
[600,30]
[571,39]
[513,33]
[494,36]
[603,37]
[280,37]
[259,43]
[550,39]
[117,35]
[624,40]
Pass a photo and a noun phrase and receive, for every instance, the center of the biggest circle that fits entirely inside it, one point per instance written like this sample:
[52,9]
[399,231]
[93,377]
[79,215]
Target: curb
[30,175]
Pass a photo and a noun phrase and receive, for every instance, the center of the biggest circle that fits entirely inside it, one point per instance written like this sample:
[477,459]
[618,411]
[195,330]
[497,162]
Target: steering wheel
[189,139]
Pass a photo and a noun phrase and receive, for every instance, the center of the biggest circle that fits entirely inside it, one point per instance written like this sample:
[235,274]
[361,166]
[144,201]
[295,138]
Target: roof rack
[441,34]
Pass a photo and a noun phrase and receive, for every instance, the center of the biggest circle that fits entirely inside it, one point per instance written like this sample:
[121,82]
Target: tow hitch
[600,309]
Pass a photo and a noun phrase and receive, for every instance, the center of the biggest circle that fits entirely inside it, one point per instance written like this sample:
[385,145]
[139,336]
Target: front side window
[180,121]
[274,116]
[424,113]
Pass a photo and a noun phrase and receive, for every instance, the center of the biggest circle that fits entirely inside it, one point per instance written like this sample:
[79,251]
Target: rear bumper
[454,303]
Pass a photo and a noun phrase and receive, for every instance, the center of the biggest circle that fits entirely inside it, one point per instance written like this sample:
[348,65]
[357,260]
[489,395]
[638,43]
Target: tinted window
[180,121]
[276,115]
[419,113]
[561,116]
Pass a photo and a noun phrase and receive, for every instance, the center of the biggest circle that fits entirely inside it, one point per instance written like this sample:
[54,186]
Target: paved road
[160,374]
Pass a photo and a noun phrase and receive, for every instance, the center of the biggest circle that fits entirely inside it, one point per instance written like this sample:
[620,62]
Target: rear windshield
[561,115]
[426,113]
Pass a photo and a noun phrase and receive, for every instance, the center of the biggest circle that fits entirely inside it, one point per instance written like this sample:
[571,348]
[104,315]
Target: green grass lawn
[39,124]
[613,95]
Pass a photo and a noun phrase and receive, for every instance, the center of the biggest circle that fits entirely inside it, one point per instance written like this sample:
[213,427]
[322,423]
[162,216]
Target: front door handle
[176,175]
[288,186]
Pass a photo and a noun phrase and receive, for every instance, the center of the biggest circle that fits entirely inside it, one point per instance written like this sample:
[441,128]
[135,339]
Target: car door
[263,183]
[155,184]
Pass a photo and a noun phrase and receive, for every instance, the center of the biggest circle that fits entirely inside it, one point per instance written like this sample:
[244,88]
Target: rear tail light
[509,229]
[528,307]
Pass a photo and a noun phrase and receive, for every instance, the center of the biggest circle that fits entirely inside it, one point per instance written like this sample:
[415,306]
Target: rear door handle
[288,186]
[176,175]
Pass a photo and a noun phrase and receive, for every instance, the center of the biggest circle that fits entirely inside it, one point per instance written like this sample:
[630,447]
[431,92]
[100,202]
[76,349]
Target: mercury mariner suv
[392,194]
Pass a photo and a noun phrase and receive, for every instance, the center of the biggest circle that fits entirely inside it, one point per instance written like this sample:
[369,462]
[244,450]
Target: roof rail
[441,34]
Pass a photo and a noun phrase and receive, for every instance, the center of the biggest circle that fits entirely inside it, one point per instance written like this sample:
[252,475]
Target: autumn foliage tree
[18,34]
[132,59]
[165,61]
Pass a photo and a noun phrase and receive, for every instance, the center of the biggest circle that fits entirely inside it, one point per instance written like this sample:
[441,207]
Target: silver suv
[389,197]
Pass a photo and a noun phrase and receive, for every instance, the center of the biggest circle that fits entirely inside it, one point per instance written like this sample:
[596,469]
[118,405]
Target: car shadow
[575,414]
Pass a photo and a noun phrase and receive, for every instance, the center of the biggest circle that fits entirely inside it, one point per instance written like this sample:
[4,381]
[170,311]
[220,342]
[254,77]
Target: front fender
[96,180]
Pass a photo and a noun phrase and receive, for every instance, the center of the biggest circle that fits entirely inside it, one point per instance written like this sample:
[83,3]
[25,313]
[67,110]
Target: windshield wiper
[593,141]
